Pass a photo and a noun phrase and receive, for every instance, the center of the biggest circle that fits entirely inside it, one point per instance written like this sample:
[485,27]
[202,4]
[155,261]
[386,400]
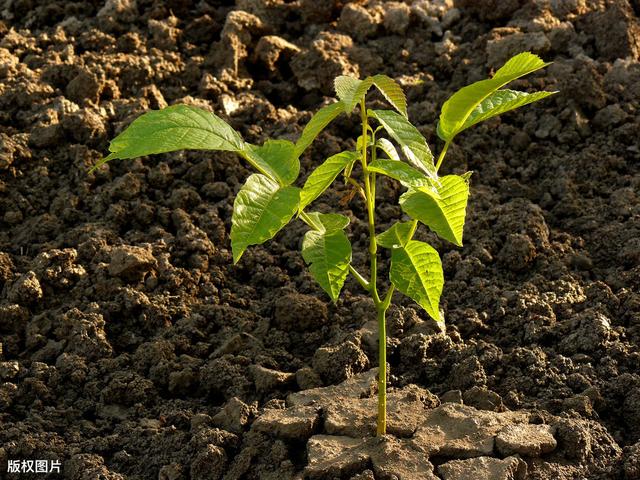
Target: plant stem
[381,307]
[382,371]
[442,154]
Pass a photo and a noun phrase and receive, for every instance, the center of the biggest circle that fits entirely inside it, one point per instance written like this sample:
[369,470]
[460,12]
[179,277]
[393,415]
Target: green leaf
[276,159]
[179,127]
[318,122]
[260,210]
[413,144]
[417,272]
[396,236]
[457,109]
[359,142]
[405,174]
[323,176]
[502,101]
[392,92]
[328,222]
[387,147]
[442,211]
[350,91]
[328,254]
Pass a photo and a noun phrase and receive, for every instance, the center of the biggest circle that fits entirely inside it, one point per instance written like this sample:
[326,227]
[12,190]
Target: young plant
[269,200]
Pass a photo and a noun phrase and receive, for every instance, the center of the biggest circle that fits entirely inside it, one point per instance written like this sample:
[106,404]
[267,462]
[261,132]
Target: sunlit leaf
[323,176]
[457,109]
[442,211]
[276,159]
[405,174]
[318,122]
[327,251]
[179,127]
[416,271]
[396,236]
[411,141]
[260,210]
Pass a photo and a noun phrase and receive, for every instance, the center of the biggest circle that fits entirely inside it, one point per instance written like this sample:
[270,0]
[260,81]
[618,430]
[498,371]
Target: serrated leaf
[392,92]
[502,101]
[328,254]
[405,174]
[387,147]
[323,176]
[411,141]
[318,122]
[350,91]
[178,127]
[328,222]
[457,109]
[416,271]
[396,236]
[276,159]
[260,210]
[444,211]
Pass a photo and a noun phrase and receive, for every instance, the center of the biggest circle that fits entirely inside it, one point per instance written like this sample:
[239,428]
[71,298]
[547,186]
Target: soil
[131,348]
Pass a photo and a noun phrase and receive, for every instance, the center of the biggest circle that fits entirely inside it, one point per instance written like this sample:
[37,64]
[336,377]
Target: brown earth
[131,348]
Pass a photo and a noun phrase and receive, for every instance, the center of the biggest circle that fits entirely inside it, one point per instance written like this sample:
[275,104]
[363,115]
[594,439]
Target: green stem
[370,192]
[382,371]
[361,280]
[442,154]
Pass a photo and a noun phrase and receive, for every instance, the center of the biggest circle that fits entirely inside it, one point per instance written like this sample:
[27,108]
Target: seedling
[269,200]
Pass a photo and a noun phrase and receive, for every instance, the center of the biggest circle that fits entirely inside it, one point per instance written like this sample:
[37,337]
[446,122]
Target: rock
[8,392]
[296,423]
[271,49]
[357,417]
[359,386]
[337,363]
[85,86]
[26,289]
[267,380]
[339,457]
[527,440]
[483,399]
[307,378]
[299,313]
[125,11]
[9,370]
[589,332]
[355,20]
[242,343]
[485,468]
[510,41]
[490,10]
[331,457]
[209,464]
[517,253]
[327,57]
[616,30]
[609,116]
[451,396]
[319,11]
[234,416]
[84,466]
[453,430]
[131,263]
[43,136]
[631,464]
[396,17]
[84,126]
[172,471]
[84,334]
